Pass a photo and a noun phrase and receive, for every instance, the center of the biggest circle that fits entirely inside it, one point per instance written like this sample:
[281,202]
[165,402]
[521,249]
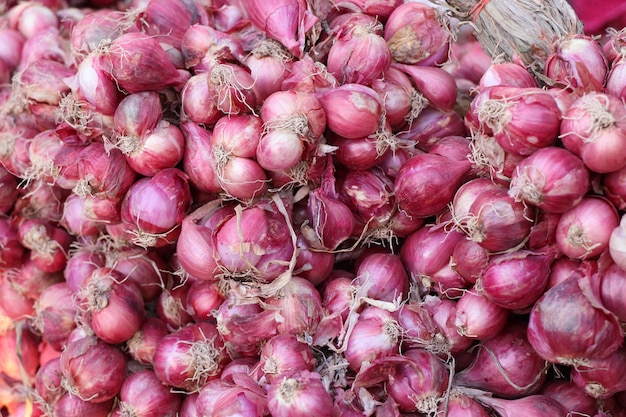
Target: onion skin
[300,394]
[552,179]
[571,396]
[530,406]
[94,370]
[584,231]
[426,183]
[506,365]
[516,280]
[144,394]
[568,306]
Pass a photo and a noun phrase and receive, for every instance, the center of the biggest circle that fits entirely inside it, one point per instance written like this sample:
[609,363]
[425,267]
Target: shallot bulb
[426,183]
[190,357]
[594,127]
[553,179]
[569,305]
[584,231]
[359,54]
[154,207]
[299,395]
[415,35]
[577,63]
[505,365]
[522,120]
[93,370]
[144,395]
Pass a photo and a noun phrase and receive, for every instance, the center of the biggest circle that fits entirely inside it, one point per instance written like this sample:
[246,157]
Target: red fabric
[597,15]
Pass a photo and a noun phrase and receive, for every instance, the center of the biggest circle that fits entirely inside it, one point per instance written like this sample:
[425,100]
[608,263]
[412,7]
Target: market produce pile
[309,208]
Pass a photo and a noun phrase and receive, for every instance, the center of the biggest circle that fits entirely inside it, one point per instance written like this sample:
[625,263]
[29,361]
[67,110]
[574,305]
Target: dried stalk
[522,31]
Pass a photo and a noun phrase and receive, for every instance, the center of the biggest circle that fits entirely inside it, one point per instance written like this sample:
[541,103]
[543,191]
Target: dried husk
[522,31]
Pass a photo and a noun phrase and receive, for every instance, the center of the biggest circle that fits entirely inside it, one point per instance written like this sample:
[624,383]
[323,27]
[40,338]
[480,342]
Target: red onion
[284,355]
[358,55]
[506,365]
[92,369]
[188,406]
[56,314]
[478,317]
[8,190]
[11,250]
[530,406]
[571,396]
[80,264]
[270,64]
[168,197]
[14,304]
[93,84]
[566,306]
[222,398]
[203,298]
[461,405]
[300,394]
[361,110]
[199,160]
[415,35]
[190,357]
[382,276]
[161,148]
[552,179]
[369,193]
[331,221]
[199,104]
[420,383]
[144,395]
[113,307]
[48,244]
[170,20]
[496,221]
[361,153]
[613,187]
[256,242]
[602,377]
[616,244]
[612,279]
[48,381]
[71,405]
[196,244]
[21,357]
[12,43]
[592,128]
[577,63]
[149,69]
[376,334]
[231,87]
[522,120]
[289,26]
[245,327]
[469,259]
[311,264]
[426,183]
[300,306]
[436,84]
[507,73]
[101,172]
[309,75]
[426,251]
[515,280]
[143,268]
[143,343]
[203,46]
[403,103]
[584,231]
[378,8]
[171,306]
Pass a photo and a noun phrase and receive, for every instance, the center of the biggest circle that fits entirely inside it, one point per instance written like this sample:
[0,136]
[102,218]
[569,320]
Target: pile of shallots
[305,208]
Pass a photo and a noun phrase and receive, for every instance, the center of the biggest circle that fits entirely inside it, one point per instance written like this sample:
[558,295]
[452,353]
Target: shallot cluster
[306,208]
